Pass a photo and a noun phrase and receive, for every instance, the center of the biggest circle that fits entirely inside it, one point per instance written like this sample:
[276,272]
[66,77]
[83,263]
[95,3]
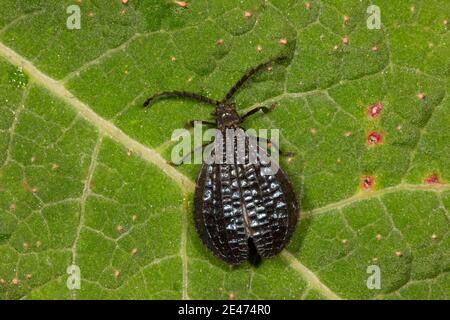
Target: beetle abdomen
[235,202]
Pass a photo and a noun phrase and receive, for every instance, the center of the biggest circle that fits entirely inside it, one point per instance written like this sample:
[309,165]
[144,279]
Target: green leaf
[84,177]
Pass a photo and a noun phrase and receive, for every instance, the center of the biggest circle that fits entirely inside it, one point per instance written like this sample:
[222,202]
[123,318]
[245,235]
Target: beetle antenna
[249,74]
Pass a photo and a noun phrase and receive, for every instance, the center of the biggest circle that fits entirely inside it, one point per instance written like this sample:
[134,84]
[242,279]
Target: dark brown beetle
[240,213]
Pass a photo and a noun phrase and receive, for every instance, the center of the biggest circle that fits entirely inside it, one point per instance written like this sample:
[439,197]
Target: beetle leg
[281,152]
[182,94]
[262,108]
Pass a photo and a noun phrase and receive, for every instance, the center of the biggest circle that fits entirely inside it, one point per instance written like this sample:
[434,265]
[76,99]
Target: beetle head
[226,116]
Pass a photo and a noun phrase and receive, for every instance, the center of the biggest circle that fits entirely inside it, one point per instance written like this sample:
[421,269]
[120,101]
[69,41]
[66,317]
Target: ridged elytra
[239,213]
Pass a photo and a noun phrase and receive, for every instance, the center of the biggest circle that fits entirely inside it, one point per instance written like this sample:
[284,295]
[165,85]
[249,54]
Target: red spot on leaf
[374,110]
[367,182]
[374,138]
[433,179]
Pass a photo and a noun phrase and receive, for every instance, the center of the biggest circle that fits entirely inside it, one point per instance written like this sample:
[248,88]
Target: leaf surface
[84,177]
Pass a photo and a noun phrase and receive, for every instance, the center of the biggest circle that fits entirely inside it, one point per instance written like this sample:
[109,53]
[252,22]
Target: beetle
[239,212]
